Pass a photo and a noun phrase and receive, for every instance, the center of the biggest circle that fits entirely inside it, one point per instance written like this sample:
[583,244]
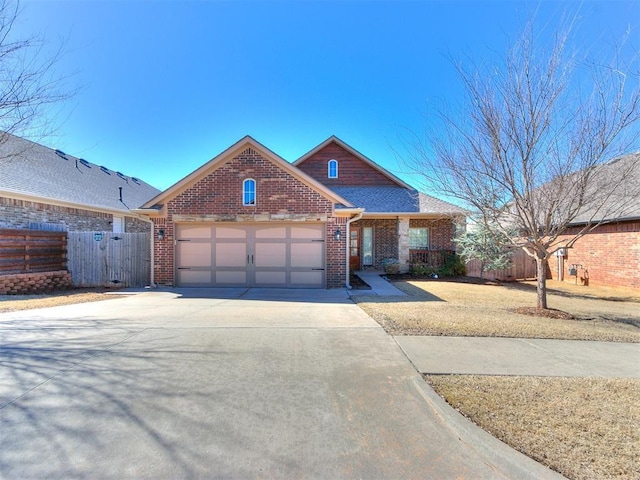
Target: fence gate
[107,259]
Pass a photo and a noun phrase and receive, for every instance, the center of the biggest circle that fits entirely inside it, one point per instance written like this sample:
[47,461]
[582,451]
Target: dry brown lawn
[580,427]
[584,428]
[13,303]
[438,307]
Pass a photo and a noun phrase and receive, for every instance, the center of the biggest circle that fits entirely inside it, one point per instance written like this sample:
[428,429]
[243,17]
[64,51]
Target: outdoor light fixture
[161,234]
[338,235]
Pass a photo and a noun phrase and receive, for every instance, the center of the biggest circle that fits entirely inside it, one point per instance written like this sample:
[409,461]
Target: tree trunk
[541,265]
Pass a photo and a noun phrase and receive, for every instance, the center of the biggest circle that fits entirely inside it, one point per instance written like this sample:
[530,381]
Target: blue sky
[167,85]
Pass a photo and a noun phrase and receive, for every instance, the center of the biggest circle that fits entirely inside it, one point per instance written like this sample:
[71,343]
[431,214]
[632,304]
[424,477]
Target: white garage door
[281,255]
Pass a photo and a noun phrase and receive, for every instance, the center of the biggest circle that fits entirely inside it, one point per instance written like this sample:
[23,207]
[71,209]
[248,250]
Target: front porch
[407,242]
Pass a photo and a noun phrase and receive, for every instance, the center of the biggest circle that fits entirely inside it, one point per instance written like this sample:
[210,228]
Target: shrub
[391,265]
[453,266]
[422,269]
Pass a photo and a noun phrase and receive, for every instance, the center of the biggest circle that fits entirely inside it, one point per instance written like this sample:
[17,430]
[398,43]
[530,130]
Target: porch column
[403,243]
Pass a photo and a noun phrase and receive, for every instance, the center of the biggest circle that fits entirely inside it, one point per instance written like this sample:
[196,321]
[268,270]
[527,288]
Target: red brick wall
[220,193]
[385,239]
[440,232]
[610,254]
[336,272]
[19,213]
[277,191]
[351,170]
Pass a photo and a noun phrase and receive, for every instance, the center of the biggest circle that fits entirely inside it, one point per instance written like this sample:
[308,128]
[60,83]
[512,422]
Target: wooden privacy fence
[106,259]
[522,267]
[27,251]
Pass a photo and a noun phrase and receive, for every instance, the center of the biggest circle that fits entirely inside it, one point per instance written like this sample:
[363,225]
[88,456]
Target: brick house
[40,185]
[250,218]
[610,253]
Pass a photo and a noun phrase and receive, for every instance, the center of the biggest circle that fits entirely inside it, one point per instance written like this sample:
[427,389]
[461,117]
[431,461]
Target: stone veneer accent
[40,282]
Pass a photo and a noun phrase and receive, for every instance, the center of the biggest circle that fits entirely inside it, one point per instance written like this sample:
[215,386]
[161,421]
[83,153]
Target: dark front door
[354,249]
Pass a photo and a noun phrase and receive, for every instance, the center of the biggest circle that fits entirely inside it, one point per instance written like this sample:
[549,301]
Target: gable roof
[34,172]
[624,202]
[354,152]
[229,153]
[397,200]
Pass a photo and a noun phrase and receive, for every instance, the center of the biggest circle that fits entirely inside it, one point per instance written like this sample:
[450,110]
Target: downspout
[348,239]
[151,241]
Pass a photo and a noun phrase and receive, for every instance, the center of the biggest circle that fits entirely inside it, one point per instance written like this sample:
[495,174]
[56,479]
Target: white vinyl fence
[107,259]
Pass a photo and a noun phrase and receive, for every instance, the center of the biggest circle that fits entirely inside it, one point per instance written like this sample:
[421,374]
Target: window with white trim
[249,192]
[118,224]
[332,169]
[419,239]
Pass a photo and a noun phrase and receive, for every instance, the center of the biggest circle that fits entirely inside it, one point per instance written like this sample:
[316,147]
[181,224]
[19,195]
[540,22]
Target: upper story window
[332,169]
[249,192]
[419,238]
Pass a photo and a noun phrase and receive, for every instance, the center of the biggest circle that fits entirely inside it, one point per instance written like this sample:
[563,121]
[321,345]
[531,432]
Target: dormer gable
[336,164]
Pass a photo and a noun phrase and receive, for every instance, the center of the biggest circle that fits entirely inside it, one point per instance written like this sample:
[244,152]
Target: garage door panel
[315,232]
[231,277]
[273,279]
[271,232]
[307,255]
[307,279]
[195,254]
[270,255]
[194,277]
[230,232]
[187,231]
[231,255]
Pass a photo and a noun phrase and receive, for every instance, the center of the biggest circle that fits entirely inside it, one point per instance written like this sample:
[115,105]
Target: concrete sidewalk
[379,286]
[519,356]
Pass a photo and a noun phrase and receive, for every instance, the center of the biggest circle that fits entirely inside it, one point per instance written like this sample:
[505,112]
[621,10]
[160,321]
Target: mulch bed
[357,283]
[543,312]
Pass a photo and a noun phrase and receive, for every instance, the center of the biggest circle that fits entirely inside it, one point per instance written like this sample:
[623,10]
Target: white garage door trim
[256,255]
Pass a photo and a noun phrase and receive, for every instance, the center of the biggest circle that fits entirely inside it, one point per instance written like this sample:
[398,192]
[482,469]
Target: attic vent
[135,180]
[105,170]
[121,175]
[61,154]
[85,163]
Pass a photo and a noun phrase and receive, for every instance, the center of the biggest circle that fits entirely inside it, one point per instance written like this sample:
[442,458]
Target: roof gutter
[62,203]
[347,239]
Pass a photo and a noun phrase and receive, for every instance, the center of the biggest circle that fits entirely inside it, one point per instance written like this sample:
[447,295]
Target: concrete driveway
[226,384]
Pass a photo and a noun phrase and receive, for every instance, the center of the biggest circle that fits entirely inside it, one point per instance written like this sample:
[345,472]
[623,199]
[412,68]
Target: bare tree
[529,146]
[29,84]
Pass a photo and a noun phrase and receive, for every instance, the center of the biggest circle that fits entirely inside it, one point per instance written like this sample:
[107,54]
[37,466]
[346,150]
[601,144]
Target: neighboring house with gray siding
[40,185]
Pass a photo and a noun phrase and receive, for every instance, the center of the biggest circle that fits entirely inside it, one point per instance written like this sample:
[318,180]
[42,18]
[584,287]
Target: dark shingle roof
[32,169]
[624,202]
[396,200]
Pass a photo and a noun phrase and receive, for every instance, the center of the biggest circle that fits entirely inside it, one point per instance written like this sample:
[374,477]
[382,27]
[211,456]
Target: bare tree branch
[528,147]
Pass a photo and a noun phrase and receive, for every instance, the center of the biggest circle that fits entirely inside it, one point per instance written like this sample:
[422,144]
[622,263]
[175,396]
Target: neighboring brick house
[250,218]
[609,254]
[39,185]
